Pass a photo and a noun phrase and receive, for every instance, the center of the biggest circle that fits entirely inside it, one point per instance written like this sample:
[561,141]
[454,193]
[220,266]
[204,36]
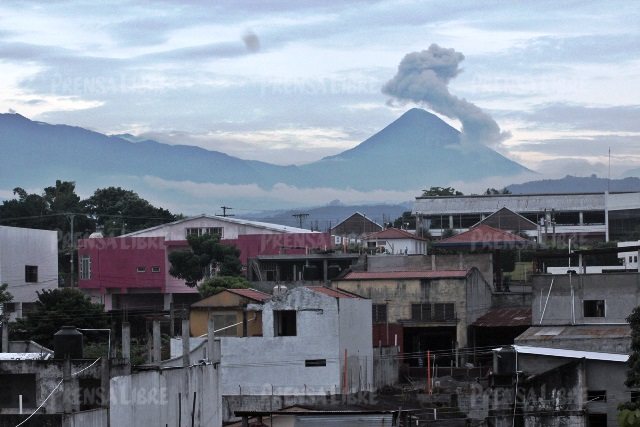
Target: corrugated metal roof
[392,233]
[337,293]
[546,333]
[500,317]
[423,274]
[250,293]
[572,354]
[483,234]
[25,356]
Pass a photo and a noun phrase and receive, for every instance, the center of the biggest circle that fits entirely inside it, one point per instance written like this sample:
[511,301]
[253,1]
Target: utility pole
[301,217]
[71,218]
[224,211]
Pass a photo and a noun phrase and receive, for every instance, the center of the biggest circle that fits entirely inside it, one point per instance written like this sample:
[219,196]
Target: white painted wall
[276,365]
[20,247]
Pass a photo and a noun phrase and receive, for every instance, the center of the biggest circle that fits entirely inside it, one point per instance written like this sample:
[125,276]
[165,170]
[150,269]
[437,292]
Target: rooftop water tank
[67,342]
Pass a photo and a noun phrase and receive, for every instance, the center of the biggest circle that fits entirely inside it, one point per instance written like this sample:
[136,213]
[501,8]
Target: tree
[5,295]
[441,191]
[56,308]
[406,221]
[206,256]
[218,284]
[492,191]
[629,412]
[120,211]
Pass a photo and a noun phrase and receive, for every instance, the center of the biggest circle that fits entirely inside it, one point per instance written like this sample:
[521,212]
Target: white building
[396,241]
[307,332]
[28,264]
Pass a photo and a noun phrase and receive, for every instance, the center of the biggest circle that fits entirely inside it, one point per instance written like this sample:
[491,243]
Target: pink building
[132,271]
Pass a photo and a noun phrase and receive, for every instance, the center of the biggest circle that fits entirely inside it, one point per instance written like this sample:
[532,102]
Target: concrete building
[396,241]
[584,217]
[316,342]
[422,310]
[353,229]
[132,271]
[28,264]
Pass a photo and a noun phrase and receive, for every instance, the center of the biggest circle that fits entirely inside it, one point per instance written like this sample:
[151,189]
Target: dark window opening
[14,385]
[284,322]
[594,308]
[596,395]
[421,311]
[379,313]
[437,312]
[31,273]
[310,363]
[91,393]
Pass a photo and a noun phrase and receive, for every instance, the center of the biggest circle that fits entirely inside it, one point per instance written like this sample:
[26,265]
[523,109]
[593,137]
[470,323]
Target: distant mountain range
[416,151]
[576,184]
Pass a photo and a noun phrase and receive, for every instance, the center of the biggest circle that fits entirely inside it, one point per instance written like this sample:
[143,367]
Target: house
[266,271]
[395,241]
[315,342]
[422,310]
[228,310]
[583,217]
[353,229]
[28,264]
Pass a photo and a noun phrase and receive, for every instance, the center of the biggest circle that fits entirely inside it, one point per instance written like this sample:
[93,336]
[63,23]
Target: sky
[557,83]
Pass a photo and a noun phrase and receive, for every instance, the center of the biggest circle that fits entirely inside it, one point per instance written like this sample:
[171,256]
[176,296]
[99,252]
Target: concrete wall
[276,364]
[398,262]
[93,418]
[386,367]
[618,290]
[158,398]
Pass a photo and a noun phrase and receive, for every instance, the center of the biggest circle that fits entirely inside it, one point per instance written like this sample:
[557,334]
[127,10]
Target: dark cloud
[423,77]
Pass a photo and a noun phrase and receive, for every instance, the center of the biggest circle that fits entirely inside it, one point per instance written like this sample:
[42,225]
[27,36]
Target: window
[85,267]
[155,269]
[141,269]
[205,230]
[312,363]
[284,323]
[31,273]
[596,395]
[594,308]
[421,311]
[436,312]
[379,313]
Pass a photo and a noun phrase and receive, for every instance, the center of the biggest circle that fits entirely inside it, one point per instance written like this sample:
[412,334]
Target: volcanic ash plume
[423,77]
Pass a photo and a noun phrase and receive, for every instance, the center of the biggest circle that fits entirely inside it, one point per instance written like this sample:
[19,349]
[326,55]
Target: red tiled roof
[484,234]
[338,293]
[423,274]
[392,233]
[250,293]
[498,317]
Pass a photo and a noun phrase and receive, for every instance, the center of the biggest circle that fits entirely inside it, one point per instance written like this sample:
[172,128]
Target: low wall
[385,367]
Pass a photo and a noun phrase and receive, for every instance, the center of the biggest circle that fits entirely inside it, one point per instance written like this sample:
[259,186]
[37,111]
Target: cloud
[621,118]
[279,193]
[423,77]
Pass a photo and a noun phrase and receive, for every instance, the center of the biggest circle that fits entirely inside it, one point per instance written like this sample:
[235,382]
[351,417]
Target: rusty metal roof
[501,317]
[421,274]
[338,293]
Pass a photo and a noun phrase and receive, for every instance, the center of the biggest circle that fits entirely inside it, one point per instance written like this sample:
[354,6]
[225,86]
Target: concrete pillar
[156,342]
[211,327]
[5,336]
[325,275]
[433,261]
[126,341]
[67,384]
[581,216]
[451,222]
[185,343]
[104,382]
[149,344]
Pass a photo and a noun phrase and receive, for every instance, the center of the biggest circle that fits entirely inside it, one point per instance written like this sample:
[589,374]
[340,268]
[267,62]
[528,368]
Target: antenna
[224,211]
[301,217]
